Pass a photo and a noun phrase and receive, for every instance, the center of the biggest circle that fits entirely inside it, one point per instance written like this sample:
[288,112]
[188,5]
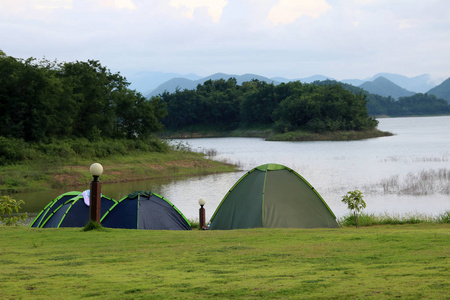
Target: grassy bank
[217,131]
[301,135]
[56,172]
[270,135]
[381,262]
[367,219]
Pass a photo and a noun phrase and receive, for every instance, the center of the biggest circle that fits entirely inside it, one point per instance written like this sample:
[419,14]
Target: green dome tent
[68,210]
[145,210]
[272,196]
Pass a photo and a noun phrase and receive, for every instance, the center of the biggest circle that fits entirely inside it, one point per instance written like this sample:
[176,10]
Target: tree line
[415,105]
[41,100]
[286,107]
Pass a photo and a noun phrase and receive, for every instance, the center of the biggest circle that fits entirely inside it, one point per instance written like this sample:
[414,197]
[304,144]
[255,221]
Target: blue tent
[68,210]
[145,210]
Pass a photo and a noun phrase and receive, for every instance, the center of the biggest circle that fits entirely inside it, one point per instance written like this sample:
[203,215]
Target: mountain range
[442,90]
[384,84]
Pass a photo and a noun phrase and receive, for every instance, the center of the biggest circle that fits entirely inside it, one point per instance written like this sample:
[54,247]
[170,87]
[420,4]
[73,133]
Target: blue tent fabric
[122,215]
[139,210]
[52,206]
[68,210]
[145,210]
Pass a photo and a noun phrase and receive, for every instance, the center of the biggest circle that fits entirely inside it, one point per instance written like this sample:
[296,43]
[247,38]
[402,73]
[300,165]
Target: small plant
[195,224]
[363,220]
[9,211]
[92,225]
[355,203]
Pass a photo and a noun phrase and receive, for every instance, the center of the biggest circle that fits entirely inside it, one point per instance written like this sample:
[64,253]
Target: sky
[342,39]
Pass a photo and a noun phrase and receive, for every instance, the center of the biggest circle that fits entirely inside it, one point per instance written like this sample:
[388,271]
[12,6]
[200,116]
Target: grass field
[377,262]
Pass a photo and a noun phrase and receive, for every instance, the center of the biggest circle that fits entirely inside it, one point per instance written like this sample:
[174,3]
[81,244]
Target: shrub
[195,224]
[355,203]
[11,150]
[9,209]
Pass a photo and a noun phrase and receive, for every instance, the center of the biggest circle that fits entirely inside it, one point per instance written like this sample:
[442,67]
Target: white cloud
[406,24]
[350,38]
[215,7]
[28,7]
[53,4]
[287,11]
[117,4]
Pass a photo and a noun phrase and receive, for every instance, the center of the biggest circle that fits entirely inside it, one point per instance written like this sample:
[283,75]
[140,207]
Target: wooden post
[95,200]
[202,217]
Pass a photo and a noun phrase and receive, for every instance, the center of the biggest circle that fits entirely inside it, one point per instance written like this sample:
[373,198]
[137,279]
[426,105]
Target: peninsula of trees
[284,107]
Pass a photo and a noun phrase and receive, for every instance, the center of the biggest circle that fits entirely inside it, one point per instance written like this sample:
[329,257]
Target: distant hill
[418,84]
[442,90]
[384,87]
[303,80]
[172,85]
[355,82]
[315,78]
[155,83]
[183,83]
[146,82]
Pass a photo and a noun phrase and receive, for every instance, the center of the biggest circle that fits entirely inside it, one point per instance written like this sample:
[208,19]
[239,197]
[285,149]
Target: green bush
[11,150]
[9,211]
[61,149]
[195,224]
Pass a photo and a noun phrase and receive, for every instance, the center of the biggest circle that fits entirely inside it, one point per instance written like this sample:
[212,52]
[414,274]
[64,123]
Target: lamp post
[201,212]
[96,170]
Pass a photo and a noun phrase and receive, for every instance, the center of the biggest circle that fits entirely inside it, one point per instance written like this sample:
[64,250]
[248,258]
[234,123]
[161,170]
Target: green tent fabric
[272,196]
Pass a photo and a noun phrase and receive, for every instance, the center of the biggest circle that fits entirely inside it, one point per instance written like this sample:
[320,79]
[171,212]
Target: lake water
[405,173]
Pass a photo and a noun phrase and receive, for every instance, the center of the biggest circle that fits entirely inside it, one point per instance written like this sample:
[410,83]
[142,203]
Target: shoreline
[270,135]
[35,176]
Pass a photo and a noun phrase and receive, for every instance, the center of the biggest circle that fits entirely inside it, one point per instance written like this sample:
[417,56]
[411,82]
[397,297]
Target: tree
[355,203]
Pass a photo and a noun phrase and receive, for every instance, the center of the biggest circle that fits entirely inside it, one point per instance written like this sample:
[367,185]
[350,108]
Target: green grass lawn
[378,262]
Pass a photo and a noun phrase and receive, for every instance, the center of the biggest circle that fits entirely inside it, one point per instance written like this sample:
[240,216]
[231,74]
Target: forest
[41,100]
[286,107]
